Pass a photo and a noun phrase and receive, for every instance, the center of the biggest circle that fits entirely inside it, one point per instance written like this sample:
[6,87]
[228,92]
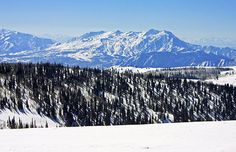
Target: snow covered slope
[227,77]
[150,48]
[133,69]
[16,42]
[26,117]
[178,137]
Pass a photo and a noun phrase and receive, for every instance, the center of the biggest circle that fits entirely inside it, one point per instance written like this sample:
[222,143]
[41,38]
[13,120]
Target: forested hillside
[73,96]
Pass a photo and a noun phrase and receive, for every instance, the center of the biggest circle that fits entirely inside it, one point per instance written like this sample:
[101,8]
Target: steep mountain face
[227,52]
[15,42]
[168,59]
[52,94]
[152,48]
[142,49]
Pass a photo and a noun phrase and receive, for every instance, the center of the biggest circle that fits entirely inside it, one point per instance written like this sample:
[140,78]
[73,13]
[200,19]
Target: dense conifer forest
[74,96]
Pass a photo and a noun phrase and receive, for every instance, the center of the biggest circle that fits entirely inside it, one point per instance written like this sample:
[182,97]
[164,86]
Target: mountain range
[102,49]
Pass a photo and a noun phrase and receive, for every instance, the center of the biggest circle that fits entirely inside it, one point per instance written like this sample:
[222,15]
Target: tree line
[75,96]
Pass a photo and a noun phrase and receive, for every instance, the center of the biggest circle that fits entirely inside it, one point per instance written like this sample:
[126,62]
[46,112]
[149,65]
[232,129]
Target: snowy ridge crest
[152,48]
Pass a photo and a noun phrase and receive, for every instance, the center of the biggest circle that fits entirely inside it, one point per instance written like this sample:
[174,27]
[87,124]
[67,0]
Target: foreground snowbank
[181,137]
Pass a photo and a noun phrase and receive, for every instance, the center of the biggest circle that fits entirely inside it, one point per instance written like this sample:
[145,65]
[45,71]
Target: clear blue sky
[185,18]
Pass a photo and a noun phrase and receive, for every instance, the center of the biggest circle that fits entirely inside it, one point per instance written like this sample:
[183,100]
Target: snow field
[176,137]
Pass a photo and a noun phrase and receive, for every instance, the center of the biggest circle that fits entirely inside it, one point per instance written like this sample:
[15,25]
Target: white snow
[115,43]
[148,69]
[178,137]
[226,77]
[133,69]
[26,117]
[86,56]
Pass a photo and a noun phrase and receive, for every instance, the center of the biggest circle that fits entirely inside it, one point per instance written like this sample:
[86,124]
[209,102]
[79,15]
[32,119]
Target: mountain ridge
[152,48]
[13,41]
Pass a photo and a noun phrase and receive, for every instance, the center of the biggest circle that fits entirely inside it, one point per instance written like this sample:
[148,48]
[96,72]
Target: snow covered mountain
[15,42]
[152,48]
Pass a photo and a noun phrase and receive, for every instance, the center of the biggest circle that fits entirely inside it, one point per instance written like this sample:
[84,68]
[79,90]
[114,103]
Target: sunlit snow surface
[227,77]
[179,137]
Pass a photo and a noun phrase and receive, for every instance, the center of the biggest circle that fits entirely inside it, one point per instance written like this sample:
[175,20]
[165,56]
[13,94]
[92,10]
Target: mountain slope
[152,48]
[86,97]
[15,42]
[169,59]
[142,49]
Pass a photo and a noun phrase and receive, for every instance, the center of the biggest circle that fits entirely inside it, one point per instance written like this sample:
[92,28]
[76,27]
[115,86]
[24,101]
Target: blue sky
[185,18]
